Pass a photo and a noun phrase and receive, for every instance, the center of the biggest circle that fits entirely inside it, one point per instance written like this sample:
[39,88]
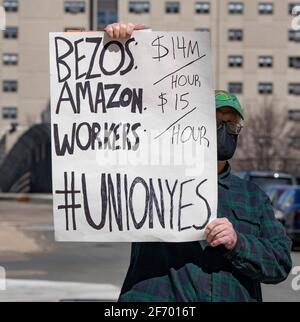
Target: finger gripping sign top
[133,136]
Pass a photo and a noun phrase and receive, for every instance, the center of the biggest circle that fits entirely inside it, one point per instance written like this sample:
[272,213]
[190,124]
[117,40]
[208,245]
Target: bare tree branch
[265,142]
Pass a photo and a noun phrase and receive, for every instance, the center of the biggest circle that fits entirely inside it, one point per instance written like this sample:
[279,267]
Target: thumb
[139,26]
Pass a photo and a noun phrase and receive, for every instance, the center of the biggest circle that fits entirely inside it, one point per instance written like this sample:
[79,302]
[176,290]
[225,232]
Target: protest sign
[133,136]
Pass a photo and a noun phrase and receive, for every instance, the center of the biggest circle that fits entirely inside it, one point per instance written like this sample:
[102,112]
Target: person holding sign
[244,246]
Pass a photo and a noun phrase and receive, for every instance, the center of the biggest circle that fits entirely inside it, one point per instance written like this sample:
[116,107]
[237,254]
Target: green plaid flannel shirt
[194,271]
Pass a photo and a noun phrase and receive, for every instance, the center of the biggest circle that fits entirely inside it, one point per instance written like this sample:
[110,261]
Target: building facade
[256,51]
[24,54]
[256,54]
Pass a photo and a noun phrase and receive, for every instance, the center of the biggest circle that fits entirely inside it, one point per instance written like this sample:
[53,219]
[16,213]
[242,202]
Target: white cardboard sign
[133,136]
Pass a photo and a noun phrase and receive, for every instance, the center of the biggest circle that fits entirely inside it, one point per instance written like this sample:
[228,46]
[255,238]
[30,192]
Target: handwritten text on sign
[133,136]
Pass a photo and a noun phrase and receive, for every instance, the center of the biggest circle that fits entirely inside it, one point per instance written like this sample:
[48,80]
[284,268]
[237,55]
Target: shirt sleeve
[265,258]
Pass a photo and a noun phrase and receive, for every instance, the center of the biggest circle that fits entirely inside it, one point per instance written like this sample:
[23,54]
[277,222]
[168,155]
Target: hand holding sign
[122,30]
[221,232]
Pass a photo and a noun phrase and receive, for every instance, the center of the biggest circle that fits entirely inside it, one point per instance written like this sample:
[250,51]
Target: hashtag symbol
[66,206]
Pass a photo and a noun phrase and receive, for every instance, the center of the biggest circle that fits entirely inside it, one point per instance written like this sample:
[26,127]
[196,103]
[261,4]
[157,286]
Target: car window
[287,198]
[272,194]
[275,193]
[297,196]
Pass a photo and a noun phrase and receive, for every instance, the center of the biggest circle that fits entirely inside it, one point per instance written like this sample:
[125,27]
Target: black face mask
[226,143]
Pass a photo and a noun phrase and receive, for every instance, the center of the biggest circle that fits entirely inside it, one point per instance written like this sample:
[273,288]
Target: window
[294,115]
[139,7]
[294,8]
[265,61]
[235,8]
[202,29]
[294,88]
[9,112]
[235,34]
[202,7]
[236,88]
[106,17]
[294,140]
[74,28]
[286,199]
[11,5]
[10,86]
[265,88]
[10,32]
[294,35]
[265,8]
[294,62]
[74,7]
[172,7]
[10,59]
[235,61]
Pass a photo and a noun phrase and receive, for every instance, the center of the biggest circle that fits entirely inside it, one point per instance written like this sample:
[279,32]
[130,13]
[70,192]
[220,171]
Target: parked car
[274,193]
[289,210]
[265,179]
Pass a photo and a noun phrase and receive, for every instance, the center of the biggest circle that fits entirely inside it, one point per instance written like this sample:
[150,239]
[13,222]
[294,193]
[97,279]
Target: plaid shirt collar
[224,176]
